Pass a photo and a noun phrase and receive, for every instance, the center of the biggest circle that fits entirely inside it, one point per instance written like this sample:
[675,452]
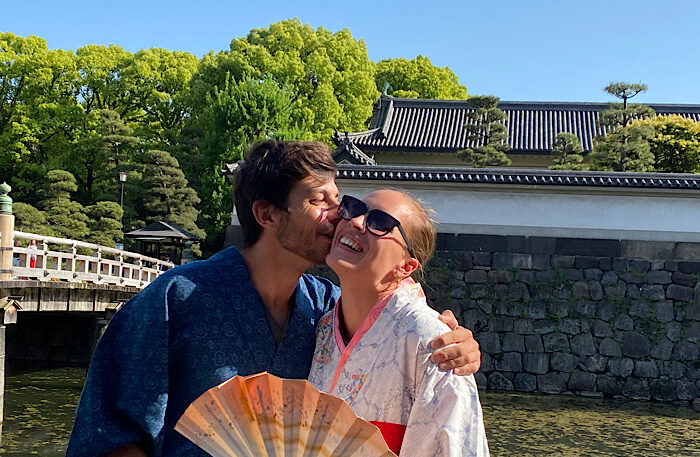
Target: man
[233,314]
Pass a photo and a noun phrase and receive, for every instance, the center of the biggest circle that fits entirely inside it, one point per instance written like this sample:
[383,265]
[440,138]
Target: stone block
[562,361]
[685,350]
[663,311]
[663,389]
[489,342]
[679,293]
[671,265]
[522,261]
[601,328]
[585,261]
[657,265]
[596,291]
[633,277]
[487,363]
[482,259]
[536,309]
[640,265]
[500,277]
[687,251]
[634,291]
[563,292]
[580,290]
[691,332]
[523,327]
[502,261]
[475,277]
[653,292]
[536,363]
[533,343]
[543,326]
[683,279]
[662,349]
[481,381]
[475,320]
[581,381]
[525,276]
[551,383]
[478,291]
[563,261]
[518,291]
[592,274]
[609,385]
[606,311]
[541,262]
[671,369]
[501,324]
[691,268]
[556,342]
[572,274]
[639,308]
[635,345]
[620,367]
[509,361]
[570,326]
[623,322]
[605,263]
[636,389]
[646,369]
[584,308]
[582,344]
[609,277]
[525,382]
[457,292]
[648,249]
[615,290]
[620,264]
[546,275]
[659,277]
[692,311]
[686,390]
[497,381]
[610,348]
[595,363]
[513,342]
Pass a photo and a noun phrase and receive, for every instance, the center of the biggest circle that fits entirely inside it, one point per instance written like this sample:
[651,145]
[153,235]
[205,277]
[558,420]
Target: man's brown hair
[269,172]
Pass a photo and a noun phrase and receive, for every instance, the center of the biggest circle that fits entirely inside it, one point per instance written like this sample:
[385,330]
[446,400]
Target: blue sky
[540,50]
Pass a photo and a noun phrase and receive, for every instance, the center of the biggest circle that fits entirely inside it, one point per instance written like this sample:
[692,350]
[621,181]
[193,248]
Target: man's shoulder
[322,291]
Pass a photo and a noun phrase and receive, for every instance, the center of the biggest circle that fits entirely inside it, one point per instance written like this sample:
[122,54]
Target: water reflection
[40,405]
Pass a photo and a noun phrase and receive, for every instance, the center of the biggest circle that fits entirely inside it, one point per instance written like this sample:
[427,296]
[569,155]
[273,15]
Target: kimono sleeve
[446,417]
[126,390]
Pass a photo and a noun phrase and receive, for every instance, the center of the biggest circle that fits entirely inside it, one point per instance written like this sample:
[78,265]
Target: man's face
[312,214]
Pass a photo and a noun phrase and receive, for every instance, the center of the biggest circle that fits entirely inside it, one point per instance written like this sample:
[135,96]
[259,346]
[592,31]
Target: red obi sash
[392,433]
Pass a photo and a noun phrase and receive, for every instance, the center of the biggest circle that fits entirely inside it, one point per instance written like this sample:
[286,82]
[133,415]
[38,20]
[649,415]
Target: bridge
[61,287]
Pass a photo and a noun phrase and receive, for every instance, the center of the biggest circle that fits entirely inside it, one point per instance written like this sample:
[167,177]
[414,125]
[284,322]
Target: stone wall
[589,317]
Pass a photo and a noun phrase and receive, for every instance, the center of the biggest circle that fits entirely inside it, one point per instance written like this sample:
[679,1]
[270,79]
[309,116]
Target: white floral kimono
[385,375]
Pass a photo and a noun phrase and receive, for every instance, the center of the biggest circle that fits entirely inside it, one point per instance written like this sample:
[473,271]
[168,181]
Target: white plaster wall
[558,212]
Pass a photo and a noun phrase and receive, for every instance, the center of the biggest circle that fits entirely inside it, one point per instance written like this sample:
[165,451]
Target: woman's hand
[462,354]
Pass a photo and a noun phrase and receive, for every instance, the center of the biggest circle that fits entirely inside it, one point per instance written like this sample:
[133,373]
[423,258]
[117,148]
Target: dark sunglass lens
[380,223]
[351,207]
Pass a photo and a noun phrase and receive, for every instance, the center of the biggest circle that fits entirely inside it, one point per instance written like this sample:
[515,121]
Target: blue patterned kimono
[191,329]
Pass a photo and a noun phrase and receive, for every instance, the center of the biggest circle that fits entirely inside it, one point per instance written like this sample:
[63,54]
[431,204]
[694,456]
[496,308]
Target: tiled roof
[514,176]
[347,152]
[438,125]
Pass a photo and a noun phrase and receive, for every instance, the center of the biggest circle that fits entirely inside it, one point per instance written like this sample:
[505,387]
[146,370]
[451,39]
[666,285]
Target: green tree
[105,223]
[166,195]
[29,219]
[626,146]
[487,132]
[236,116]
[567,152]
[418,78]
[65,217]
[328,75]
[675,143]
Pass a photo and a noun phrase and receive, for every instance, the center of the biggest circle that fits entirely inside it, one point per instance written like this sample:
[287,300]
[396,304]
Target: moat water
[40,406]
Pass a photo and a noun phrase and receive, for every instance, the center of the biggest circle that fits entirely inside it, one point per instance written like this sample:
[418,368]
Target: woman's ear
[407,268]
[264,213]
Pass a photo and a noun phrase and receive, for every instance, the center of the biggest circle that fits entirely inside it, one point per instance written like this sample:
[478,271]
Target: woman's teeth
[345,241]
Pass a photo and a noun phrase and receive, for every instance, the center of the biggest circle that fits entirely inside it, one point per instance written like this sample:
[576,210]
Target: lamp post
[122,180]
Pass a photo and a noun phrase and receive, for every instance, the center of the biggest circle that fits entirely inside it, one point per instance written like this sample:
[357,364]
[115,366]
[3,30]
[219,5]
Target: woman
[372,349]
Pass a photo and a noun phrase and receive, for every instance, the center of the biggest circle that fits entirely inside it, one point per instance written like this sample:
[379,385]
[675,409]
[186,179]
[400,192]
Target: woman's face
[358,255]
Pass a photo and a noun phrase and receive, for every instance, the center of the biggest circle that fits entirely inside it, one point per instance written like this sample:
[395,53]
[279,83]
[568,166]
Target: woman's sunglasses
[377,222]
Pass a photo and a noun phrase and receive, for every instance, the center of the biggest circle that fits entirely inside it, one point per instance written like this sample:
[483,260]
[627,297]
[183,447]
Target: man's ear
[407,267]
[265,213]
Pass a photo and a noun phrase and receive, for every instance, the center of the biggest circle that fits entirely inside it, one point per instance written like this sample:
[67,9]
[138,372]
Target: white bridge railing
[64,259]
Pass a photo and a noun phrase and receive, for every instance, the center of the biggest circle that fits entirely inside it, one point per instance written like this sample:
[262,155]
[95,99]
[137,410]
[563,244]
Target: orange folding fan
[266,416]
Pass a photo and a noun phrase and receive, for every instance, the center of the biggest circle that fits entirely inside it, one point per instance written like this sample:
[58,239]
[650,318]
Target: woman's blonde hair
[420,231]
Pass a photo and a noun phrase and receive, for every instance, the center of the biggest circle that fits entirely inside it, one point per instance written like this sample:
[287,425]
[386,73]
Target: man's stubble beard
[306,247]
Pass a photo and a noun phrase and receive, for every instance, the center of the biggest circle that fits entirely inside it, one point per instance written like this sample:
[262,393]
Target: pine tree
[105,223]
[65,217]
[487,132]
[626,146]
[568,151]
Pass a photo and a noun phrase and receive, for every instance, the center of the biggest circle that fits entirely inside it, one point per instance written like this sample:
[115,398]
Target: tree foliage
[487,132]
[105,223]
[418,78]
[675,143]
[29,219]
[626,146]
[65,217]
[567,152]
